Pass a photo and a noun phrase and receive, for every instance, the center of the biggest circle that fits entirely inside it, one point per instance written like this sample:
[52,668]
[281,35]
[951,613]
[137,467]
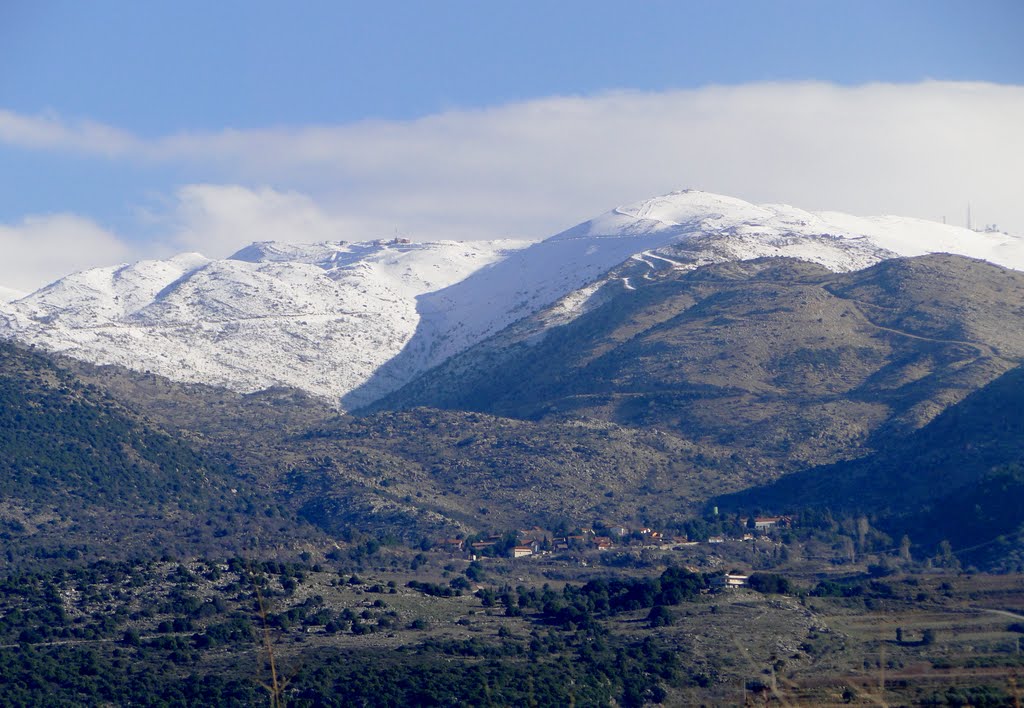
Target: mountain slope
[786,361]
[677,232]
[440,472]
[982,432]
[352,322]
[960,478]
[428,472]
[78,470]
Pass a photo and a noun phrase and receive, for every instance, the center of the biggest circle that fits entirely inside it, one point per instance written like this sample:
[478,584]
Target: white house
[729,580]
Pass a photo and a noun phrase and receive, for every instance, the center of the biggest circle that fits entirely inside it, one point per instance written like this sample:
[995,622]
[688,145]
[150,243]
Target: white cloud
[49,132]
[217,220]
[530,169]
[41,249]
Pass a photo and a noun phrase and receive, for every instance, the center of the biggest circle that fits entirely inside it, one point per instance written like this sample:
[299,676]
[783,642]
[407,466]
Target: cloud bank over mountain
[529,169]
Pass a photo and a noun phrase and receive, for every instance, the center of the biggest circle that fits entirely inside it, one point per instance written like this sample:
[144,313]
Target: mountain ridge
[352,322]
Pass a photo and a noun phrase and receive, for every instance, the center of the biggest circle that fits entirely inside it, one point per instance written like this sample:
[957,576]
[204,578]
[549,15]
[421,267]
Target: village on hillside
[525,543]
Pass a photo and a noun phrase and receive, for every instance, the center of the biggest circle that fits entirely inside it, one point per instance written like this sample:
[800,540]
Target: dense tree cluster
[583,606]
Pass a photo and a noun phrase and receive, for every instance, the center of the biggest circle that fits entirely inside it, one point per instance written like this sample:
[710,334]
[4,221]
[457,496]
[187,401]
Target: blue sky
[132,129]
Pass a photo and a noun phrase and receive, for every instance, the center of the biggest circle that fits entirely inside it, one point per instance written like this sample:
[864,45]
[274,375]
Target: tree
[945,557]
[660,616]
[770,583]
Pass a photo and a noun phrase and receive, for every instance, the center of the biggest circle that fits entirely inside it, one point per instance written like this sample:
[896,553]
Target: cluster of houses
[611,535]
[537,541]
[527,542]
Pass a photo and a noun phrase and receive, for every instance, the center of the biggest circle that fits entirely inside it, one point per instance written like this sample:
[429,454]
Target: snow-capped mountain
[353,322]
[321,317]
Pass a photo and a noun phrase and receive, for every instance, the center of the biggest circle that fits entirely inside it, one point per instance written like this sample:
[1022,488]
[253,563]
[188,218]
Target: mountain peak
[687,205]
[281,251]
